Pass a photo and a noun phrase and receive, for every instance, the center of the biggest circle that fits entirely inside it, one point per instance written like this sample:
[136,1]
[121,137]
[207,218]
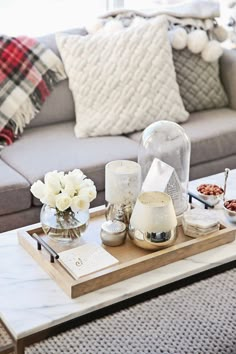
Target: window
[36,18]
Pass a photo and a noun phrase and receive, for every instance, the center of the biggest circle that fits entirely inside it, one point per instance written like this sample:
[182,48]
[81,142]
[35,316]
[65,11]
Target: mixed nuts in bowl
[210,192]
[230,209]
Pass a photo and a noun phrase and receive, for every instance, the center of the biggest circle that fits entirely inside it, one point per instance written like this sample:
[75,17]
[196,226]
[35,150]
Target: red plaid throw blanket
[28,73]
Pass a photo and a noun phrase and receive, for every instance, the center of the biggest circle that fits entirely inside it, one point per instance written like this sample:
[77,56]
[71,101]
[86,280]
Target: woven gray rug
[197,319]
[5,340]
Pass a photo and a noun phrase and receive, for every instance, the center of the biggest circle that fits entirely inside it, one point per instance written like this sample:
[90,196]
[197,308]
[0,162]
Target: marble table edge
[200,266]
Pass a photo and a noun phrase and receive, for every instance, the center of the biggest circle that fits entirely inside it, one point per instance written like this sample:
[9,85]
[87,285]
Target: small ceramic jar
[113,233]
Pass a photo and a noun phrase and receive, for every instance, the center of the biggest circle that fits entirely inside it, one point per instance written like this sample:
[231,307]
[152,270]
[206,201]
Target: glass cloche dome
[164,156]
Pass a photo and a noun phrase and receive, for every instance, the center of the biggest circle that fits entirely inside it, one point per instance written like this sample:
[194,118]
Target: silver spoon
[225,182]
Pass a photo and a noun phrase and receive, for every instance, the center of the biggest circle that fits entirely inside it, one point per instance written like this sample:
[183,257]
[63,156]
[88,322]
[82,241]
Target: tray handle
[41,243]
[192,195]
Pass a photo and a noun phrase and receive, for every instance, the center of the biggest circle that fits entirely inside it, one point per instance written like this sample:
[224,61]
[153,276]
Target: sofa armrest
[228,75]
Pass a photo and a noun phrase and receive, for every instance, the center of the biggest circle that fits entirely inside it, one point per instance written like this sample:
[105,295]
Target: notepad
[86,259]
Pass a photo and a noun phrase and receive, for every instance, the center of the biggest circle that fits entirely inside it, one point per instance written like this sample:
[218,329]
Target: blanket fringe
[24,115]
[58,70]
[34,103]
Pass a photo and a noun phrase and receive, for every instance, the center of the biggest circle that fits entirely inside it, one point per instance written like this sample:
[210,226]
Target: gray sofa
[49,144]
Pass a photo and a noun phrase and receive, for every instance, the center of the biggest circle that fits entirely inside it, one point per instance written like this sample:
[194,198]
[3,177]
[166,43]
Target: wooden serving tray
[132,260]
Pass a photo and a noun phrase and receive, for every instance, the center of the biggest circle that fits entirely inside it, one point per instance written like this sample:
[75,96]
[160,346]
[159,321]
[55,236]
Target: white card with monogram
[86,259]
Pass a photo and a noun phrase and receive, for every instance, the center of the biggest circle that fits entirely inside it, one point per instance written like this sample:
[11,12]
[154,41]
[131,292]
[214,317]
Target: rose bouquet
[66,198]
[65,190]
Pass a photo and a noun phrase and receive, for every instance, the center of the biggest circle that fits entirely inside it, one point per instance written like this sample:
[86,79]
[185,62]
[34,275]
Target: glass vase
[64,226]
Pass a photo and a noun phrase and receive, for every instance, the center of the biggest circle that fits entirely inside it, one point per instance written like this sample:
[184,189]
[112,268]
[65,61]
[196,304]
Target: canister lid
[113,226]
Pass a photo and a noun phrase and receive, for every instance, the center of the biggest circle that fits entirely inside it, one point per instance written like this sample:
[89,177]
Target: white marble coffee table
[30,302]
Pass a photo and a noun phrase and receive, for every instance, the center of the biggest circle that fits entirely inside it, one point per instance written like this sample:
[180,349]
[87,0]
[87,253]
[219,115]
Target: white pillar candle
[122,181]
[153,212]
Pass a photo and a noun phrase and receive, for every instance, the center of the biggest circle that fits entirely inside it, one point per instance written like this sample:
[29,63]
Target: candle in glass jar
[153,212]
[122,181]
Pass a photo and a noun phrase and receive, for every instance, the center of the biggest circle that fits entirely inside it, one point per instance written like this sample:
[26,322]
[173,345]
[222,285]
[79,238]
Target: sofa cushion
[228,73]
[58,107]
[212,167]
[121,96]
[212,134]
[199,81]
[55,147]
[14,191]
[32,215]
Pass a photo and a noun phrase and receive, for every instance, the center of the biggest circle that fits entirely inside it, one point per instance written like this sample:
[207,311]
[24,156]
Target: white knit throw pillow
[123,81]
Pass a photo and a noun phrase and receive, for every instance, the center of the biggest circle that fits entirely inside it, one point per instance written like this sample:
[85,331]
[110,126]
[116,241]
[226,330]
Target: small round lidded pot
[113,233]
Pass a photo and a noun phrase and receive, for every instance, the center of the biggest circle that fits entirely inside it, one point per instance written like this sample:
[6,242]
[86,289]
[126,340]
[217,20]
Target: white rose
[63,201]
[77,177]
[78,174]
[90,192]
[53,181]
[69,185]
[62,180]
[80,203]
[86,183]
[49,198]
[38,189]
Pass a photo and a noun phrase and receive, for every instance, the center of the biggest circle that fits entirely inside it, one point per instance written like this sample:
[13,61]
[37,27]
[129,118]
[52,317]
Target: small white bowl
[212,199]
[231,215]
